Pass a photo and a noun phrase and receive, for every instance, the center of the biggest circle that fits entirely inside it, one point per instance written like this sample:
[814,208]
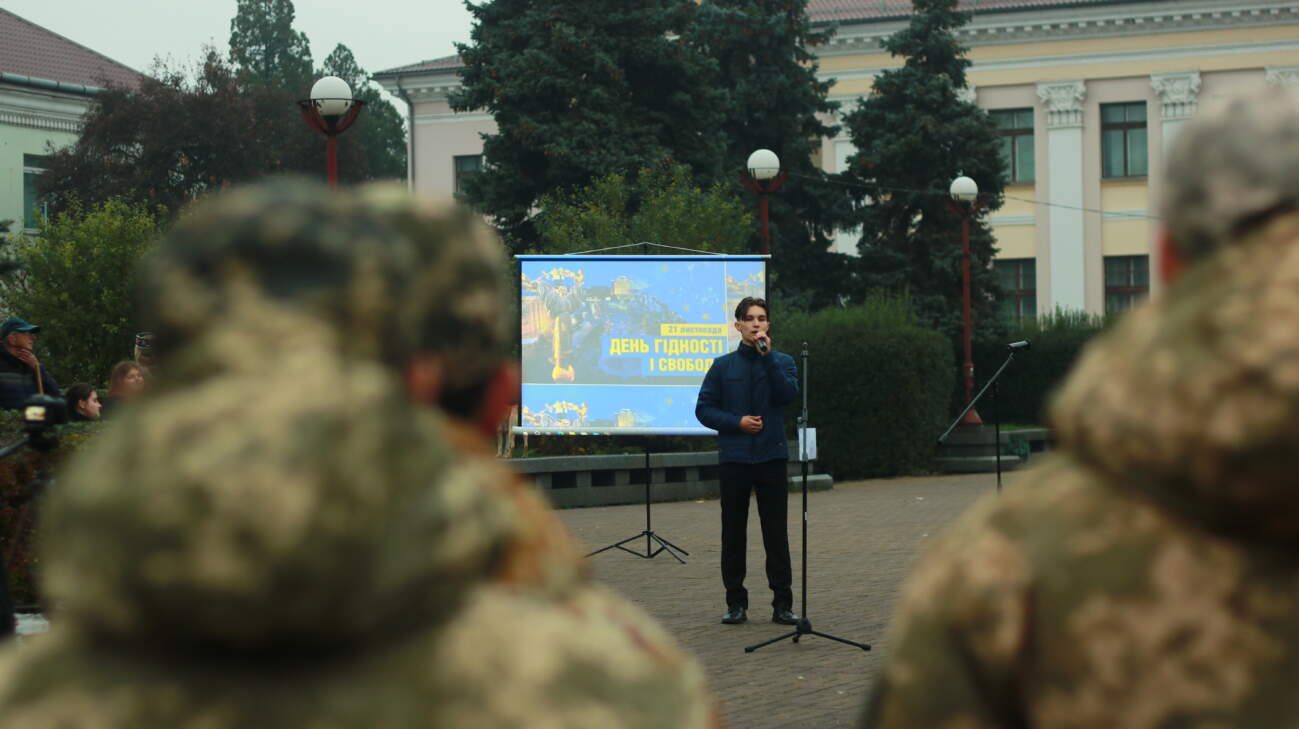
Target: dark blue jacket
[747,383]
[18,382]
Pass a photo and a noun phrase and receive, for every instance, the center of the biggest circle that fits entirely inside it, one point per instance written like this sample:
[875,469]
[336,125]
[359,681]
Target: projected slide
[620,344]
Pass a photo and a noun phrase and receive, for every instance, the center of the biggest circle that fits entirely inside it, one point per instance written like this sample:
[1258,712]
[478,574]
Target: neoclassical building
[46,85]
[1087,95]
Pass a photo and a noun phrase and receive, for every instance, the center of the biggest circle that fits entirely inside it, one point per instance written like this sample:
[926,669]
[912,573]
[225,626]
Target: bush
[878,388]
[657,205]
[77,283]
[1025,388]
[18,484]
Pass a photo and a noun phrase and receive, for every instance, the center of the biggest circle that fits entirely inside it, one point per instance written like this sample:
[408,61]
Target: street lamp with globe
[965,203]
[764,177]
[330,111]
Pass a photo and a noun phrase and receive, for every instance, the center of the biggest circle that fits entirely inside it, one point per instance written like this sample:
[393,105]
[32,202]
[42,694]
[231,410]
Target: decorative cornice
[1181,54]
[1063,102]
[34,120]
[1178,92]
[1066,24]
[1282,75]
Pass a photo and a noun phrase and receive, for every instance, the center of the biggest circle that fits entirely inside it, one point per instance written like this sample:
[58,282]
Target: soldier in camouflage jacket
[1146,575]
[280,536]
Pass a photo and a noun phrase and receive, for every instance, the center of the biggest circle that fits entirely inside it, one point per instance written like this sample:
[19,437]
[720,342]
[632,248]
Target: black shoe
[784,616]
[734,615]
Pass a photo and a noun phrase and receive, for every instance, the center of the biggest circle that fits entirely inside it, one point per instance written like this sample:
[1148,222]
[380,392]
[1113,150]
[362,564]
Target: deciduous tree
[658,205]
[77,281]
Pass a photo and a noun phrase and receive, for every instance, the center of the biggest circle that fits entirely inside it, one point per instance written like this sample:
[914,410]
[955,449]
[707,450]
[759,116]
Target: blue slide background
[596,355]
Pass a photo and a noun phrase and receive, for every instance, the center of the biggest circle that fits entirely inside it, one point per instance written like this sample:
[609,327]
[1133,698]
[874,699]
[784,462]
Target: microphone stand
[996,409]
[804,626]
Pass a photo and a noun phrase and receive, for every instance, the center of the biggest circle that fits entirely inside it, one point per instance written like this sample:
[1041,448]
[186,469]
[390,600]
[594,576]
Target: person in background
[19,368]
[125,383]
[83,402]
[1147,575]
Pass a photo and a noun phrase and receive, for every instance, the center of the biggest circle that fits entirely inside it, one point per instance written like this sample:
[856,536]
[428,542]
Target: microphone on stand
[1016,346]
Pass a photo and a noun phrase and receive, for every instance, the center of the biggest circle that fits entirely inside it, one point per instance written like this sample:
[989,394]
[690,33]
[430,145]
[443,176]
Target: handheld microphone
[763,345]
[1016,346]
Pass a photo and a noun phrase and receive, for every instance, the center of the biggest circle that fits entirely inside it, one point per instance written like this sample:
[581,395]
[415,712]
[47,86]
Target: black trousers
[768,482]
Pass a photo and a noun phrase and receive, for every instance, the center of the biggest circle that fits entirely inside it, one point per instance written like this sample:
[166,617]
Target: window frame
[1126,127]
[32,166]
[1131,292]
[458,175]
[1024,269]
[1013,133]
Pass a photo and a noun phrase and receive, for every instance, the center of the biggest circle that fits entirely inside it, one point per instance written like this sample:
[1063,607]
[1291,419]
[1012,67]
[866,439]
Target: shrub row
[1026,387]
[879,386]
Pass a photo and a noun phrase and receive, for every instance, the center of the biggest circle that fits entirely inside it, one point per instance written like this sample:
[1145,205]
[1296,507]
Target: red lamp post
[330,111]
[764,178]
[965,203]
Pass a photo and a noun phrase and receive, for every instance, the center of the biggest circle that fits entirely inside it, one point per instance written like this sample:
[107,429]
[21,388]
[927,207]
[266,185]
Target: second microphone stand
[804,626]
[1011,349]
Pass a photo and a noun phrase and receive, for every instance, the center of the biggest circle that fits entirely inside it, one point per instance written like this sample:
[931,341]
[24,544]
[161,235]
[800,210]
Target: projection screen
[618,345]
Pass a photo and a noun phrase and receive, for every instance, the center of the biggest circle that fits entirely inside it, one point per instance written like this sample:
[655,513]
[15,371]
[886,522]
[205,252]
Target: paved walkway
[863,538]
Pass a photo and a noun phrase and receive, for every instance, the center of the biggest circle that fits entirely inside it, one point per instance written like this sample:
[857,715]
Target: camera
[41,413]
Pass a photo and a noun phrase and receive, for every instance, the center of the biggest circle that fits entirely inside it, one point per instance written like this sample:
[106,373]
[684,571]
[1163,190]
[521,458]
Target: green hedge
[1027,384]
[17,474]
[878,387]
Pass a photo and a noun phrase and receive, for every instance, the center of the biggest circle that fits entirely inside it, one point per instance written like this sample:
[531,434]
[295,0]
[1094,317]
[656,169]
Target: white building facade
[1087,97]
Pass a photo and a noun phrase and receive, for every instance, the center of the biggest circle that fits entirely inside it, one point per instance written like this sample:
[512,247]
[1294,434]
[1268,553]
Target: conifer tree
[581,89]
[776,101]
[379,133]
[266,49]
[913,136]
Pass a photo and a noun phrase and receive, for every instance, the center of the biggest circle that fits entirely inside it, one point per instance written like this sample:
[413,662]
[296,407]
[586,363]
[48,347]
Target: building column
[1179,99]
[1063,101]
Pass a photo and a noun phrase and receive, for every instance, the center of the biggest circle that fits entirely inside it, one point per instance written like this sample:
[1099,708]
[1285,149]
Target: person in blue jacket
[742,398]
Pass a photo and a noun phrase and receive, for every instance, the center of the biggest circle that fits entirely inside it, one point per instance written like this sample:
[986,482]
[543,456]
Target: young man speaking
[742,399]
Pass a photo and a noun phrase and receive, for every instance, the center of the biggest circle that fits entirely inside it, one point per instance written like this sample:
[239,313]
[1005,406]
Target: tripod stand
[804,626]
[650,537]
[1011,349]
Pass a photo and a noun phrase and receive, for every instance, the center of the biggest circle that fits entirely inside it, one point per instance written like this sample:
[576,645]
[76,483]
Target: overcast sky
[381,33]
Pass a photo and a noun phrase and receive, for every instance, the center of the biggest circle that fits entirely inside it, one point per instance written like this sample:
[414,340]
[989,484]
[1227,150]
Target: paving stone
[863,537]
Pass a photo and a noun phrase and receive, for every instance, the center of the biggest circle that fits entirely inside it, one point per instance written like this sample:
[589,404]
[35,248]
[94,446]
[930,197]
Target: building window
[1019,287]
[1127,282]
[465,166]
[1123,140]
[33,166]
[1015,126]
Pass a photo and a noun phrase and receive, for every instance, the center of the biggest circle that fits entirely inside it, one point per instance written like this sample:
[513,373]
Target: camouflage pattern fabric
[277,536]
[399,274]
[290,241]
[454,296]
[1146,575]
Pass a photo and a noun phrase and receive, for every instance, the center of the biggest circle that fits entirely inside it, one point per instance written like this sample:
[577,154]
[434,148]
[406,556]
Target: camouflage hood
[1194,397]
[253,512]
